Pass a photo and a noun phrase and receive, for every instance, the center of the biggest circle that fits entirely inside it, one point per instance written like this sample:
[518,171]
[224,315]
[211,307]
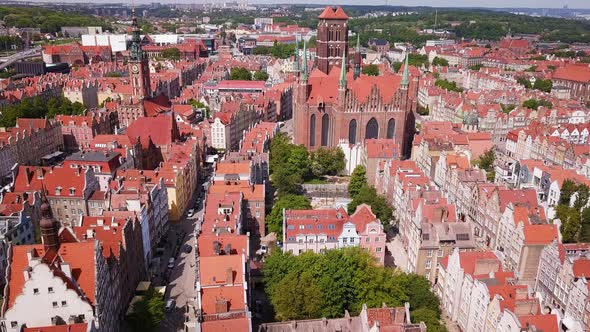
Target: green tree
[379,205]
[429,318]
[358,179]
[568,188]
[449,86]
[524,82]
[147,313]
[536,103]
[440,62]
[507,108]
[171,53]
[570,222]
[325,285]
[260,75]
[240,73]
[486,162]
[582,196]
[584,235]
[371,70]
[274,220]
[331,161]
[113,74]
[396,66]
[298,296]
[476,67]
[543,85]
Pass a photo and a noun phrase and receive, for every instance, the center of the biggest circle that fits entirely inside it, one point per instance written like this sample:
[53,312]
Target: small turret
[406,76]
[296,56]
[357,58]
[304,74]
[342,81]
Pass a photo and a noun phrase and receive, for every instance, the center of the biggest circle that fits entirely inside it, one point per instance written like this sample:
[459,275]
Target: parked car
[191,212]
[171,262]
[170,304]
[188,248]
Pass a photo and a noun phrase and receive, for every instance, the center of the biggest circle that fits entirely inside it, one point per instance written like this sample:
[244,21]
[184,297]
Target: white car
[171,262]
[170,304]
[191,212]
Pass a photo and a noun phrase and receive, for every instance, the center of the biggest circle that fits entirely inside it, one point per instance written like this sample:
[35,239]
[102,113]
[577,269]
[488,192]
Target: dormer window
[72,191]
[58,190]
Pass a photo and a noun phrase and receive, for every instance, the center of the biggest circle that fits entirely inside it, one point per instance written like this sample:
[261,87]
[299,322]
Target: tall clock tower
[139,70]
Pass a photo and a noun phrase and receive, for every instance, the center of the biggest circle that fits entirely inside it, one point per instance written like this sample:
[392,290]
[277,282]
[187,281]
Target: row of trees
[417,60]
[575,218]
[362,193]
[325,285]
[447,85]
[278,50]
[534,104]
[243,74]
[291,165]
[38,108]
[46,19]
[540,84]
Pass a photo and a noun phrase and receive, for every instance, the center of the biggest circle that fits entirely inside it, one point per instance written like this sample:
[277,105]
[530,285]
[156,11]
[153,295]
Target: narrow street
[181,278]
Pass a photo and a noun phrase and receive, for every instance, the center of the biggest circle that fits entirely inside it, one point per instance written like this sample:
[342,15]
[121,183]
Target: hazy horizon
[530,4]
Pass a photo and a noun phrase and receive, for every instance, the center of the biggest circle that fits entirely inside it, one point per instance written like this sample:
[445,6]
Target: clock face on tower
[135,69]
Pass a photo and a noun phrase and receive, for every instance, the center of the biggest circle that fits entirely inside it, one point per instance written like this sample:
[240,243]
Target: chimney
[229,276]
[228,249]
[221,306]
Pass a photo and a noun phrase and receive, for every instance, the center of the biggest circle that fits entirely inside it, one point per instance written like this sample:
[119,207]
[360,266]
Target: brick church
[334,101]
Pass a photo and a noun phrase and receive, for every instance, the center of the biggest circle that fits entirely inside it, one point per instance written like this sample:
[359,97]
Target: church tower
[48,226]
[332,38]
[139,70]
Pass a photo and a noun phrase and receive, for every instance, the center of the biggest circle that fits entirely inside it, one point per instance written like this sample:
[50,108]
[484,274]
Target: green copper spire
[296,58]
[358,42]
[342,82]
[406,75]
[135,52]
[304,75]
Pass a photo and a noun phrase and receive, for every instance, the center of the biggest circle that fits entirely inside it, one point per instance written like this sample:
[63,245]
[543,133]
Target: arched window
[372,130]
[325,129]
[352,131]
[390,128]
[312,130]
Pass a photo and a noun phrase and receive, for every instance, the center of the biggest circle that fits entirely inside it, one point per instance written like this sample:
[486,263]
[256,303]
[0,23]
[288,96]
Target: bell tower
[332,38]
[139,70]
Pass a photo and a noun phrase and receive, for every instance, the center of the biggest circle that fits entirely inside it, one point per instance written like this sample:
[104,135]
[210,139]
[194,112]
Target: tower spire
[304,74]
[406,76]
[357,57]
[342,81]
[296,58]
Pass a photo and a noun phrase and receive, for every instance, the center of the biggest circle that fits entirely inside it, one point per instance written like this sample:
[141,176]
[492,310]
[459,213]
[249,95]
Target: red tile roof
[213,269]
[238,244]
[79,327]
[582,267]
[545,323]
[80,256]
[331,13]
[233,294]
[226,325]
[577,73]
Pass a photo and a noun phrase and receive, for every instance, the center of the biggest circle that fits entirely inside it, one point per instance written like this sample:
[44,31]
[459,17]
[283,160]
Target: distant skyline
[572,4]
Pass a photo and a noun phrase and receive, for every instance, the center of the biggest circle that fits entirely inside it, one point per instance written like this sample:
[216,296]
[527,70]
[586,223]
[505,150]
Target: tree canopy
[486,162]
[447,85]
[240,73]
[36,107]
[282,51]
[291,164]
[274,221]
[379,205]
[573,212]
[171,53]
[358,179]
[325,285]
[440,62]
[371,70]
[260,75]
[536,103]
[147,313]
